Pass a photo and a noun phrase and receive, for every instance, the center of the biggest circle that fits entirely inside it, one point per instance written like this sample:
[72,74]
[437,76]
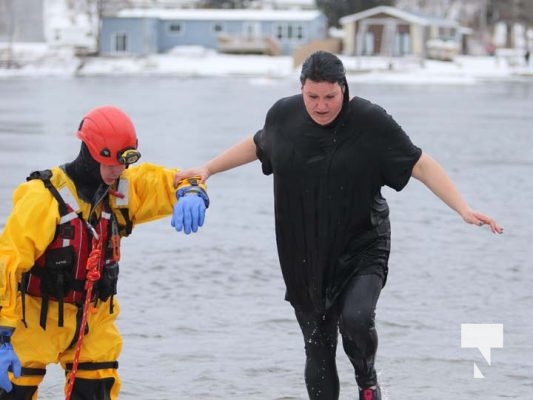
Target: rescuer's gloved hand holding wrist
[189,210]
[8,359]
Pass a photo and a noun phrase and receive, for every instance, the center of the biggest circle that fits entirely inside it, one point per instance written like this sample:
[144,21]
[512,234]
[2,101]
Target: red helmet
[110,136]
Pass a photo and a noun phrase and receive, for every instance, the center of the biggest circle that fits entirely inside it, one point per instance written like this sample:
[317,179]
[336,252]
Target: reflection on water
[203,316]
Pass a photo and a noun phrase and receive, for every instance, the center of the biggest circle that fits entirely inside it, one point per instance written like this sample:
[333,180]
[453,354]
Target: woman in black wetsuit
[330,155]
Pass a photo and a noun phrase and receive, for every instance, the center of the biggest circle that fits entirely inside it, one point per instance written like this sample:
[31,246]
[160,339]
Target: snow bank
[41,60]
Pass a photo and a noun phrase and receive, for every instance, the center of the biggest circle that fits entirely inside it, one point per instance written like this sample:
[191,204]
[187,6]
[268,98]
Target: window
[369,44]
[403,44]
[175,28]
[218,28]
[290,31]
[251,30]
[120,43]
[279,32]
[299,32]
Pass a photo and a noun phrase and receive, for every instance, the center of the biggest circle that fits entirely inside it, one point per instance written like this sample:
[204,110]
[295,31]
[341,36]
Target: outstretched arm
[189,210]
[241,153]
[431,174]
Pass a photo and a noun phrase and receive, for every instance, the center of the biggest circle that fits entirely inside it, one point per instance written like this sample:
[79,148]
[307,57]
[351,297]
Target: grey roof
[222,14]
[415,18]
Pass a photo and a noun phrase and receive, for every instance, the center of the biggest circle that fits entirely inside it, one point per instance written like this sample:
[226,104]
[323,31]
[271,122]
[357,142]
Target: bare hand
[477,218]
[202,172]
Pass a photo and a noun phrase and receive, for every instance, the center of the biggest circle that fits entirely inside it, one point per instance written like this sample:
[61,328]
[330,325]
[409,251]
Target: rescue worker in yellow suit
[58,217]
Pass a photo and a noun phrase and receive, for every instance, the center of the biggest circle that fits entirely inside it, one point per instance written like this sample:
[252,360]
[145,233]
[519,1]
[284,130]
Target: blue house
[245,31]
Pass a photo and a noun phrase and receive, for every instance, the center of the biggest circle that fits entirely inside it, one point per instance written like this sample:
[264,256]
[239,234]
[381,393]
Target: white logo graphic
[484,337]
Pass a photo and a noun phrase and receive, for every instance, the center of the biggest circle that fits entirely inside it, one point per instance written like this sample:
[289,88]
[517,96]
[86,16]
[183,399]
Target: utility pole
[9,7]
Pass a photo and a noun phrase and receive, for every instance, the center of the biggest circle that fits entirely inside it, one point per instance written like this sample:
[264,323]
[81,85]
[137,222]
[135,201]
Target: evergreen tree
[335,9]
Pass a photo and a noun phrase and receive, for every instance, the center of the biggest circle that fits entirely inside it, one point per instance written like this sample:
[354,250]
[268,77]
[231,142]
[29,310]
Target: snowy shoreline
[41,61]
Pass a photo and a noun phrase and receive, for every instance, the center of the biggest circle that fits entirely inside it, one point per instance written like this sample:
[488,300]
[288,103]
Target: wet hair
[322,66]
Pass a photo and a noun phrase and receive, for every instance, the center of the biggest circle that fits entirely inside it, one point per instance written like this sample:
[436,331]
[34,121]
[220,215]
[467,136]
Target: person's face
[323,100]
[110,173]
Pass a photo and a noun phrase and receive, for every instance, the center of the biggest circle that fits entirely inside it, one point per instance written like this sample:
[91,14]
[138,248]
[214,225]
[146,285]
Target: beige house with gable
[389,31]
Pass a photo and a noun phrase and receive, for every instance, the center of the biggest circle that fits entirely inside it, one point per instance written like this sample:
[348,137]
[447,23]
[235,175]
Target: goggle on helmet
[110,136]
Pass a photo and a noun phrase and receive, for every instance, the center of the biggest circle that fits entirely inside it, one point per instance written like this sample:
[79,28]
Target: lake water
[203,316]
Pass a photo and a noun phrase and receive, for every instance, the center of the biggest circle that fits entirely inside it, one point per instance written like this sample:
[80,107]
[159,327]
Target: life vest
[60,273]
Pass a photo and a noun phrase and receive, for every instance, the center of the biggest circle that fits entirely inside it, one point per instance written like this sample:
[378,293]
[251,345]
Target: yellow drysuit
[149,194]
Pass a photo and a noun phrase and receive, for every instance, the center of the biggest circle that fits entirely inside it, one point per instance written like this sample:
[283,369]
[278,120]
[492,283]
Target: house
[392,32]
[21,21]
[148,31]
[51,23]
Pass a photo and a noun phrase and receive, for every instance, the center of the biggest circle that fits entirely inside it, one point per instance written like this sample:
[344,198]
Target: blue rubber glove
[8,359]
[189,210]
